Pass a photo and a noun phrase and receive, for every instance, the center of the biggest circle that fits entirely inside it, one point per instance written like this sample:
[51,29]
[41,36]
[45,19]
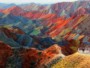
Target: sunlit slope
[74,61]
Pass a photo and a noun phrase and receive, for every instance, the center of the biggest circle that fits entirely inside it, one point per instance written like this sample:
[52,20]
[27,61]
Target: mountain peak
[15,7]
[15,10]
[83,0]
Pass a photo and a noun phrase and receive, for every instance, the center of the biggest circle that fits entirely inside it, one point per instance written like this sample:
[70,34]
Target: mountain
[4,6]
[42,36]
[40,58]
[69,8]
[60,9]
[15,10]
[34,7]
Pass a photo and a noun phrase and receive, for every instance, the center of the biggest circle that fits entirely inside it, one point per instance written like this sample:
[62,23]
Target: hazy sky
[36,1]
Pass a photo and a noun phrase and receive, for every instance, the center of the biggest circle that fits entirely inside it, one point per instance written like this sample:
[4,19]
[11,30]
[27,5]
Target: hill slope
[74,61]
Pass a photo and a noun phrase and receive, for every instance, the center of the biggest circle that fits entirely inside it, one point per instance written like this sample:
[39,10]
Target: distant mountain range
[69,8]
[4,6]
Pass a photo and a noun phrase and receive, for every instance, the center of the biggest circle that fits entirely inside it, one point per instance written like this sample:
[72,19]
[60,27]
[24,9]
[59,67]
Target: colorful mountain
[39,36]
[15,10]
[40,58]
